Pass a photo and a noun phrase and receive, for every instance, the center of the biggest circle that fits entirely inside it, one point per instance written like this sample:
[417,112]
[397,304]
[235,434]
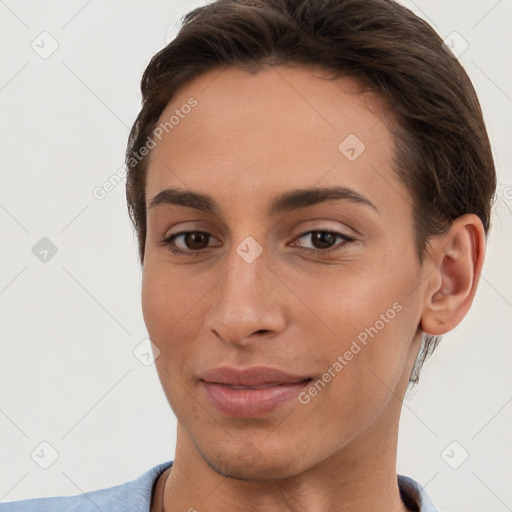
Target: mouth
[250,392]
[263,386]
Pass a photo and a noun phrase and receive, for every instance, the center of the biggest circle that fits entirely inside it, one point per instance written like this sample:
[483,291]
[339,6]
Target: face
[287,320]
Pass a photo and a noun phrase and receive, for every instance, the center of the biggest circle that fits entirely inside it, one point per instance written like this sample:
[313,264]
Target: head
[253,103]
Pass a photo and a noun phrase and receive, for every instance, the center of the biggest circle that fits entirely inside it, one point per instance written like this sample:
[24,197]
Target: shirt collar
[414,495]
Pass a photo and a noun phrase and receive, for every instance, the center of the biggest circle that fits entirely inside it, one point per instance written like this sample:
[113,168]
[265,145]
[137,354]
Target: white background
[68,375]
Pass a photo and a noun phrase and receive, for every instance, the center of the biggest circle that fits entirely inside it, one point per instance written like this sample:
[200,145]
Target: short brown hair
[442,150]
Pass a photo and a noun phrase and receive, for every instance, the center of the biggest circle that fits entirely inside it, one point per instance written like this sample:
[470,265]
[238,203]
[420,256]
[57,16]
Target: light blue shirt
[135,496]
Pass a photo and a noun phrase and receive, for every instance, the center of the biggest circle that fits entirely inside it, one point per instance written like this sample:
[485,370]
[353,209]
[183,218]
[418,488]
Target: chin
[250,464]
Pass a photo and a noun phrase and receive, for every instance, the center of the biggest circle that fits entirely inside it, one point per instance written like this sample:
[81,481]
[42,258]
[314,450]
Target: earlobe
[452,272]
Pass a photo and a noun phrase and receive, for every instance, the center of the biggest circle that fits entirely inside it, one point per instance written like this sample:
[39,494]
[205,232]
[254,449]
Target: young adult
[311,184]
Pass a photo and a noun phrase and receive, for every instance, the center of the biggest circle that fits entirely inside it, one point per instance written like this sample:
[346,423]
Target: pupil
[191,239]
[323,238]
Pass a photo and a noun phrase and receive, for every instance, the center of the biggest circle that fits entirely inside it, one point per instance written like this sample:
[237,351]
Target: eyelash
[179,252]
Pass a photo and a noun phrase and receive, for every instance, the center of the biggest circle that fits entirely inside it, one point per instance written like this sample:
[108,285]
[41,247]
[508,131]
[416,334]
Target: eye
[187,243]
[323,241]
[195,243]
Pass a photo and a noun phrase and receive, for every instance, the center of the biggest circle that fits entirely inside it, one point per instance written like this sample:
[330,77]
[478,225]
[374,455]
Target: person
[311,184]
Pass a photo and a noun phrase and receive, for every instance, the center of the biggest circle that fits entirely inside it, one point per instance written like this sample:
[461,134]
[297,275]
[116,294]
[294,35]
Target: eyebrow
[289,201]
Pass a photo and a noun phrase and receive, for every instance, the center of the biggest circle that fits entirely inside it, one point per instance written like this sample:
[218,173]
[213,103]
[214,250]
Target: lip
[250,392]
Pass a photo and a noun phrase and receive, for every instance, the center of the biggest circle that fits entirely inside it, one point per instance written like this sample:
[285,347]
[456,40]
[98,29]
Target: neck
[346,481]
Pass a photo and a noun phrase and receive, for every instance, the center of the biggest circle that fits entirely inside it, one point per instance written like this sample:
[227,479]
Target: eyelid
[326,224]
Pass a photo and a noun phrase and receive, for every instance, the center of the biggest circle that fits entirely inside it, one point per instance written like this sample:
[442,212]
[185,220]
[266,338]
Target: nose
[248,302]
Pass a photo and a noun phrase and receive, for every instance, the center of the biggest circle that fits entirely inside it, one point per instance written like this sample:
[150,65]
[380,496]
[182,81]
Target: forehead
[278,128]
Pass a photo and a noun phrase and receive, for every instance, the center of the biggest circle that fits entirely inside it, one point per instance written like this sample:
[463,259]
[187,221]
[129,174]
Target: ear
[451,272]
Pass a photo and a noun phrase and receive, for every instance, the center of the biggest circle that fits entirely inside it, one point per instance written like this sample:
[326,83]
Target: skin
[250,138]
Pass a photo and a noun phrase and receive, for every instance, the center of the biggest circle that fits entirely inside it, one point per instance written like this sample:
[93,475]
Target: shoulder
[131,496]
[414,495]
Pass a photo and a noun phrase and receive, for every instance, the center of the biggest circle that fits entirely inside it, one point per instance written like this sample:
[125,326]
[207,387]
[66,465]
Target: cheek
[170,306]
[370,311]
[168,299]
[157,305]
[346,299]
[373,319]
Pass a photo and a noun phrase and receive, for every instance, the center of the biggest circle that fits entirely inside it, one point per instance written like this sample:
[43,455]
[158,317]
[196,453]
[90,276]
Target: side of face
[348,309]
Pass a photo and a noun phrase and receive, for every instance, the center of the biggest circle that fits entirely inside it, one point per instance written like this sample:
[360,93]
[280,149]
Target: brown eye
[195,240]
[323,239]
[323,242]
[191,243]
